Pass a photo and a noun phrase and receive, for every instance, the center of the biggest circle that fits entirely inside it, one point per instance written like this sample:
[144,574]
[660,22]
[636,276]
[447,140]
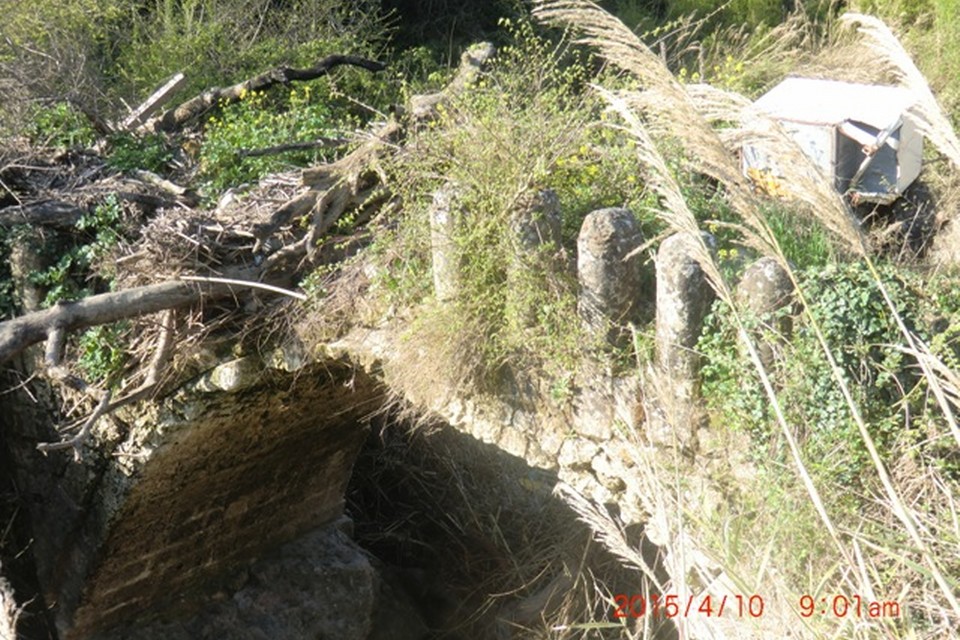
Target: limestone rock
[535,234]
[233,376]
[610,285]
[535,221]
[319,586]
[577,453]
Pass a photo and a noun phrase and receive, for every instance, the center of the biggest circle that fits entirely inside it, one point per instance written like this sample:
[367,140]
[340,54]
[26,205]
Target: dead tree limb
[76,442]
[20,333]
[349,182]
[154,103]
[472,62]
[174,119]
[159,182]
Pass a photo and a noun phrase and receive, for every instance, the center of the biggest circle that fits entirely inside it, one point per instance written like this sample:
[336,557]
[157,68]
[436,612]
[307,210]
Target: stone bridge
[254,455]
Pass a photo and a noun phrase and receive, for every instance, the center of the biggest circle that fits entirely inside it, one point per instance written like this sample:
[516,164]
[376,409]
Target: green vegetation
[254,123]
[931,29]
[69,278]
[60,125]
[848,437]
[524,128]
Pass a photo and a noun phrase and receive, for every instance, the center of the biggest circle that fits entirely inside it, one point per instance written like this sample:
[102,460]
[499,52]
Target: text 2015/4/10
[674,606]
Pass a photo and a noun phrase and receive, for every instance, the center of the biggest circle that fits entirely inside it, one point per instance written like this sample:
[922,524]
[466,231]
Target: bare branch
[164,347]
[76,442]
[20,333]
[54,350]
[176,118]
[321,143]
[247,283]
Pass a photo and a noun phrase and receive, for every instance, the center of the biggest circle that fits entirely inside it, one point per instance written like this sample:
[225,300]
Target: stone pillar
[25,262]
[535,237]
[684,297]
[445,256]
[610,285]
[764,290]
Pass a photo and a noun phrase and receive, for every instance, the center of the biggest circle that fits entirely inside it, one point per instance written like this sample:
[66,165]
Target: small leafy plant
[258,121]
[60,125]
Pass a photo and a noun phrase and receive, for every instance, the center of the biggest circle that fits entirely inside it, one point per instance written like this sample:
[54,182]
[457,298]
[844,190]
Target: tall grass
[860,558]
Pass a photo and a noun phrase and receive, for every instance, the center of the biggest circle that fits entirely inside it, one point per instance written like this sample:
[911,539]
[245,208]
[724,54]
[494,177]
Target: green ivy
[129,152]
[67,278]
[101,351]
[847,305]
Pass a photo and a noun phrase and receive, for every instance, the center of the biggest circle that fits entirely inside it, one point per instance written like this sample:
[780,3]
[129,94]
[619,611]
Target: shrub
[847,306]
[128,152]
[101,351]
[216,42]
[69,278]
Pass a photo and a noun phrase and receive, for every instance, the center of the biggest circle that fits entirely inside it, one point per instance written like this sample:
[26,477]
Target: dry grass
[929,116]
[861,564]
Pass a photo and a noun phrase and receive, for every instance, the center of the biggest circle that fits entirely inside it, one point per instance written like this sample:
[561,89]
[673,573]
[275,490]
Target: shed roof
[832,102]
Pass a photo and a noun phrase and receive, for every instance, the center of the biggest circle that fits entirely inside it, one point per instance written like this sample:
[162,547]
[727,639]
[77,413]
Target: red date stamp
[657,605]
[672,605]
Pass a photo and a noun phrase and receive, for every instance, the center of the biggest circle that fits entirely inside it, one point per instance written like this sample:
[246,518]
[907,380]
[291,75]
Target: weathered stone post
[609,283]
[764,290]
[25,262]
[445,256]
[534,230]
[684,296]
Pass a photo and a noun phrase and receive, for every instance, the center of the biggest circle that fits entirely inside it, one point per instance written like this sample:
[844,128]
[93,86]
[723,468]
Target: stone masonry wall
[242,460]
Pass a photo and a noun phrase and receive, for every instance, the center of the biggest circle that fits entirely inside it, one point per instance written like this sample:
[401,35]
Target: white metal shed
[857,134]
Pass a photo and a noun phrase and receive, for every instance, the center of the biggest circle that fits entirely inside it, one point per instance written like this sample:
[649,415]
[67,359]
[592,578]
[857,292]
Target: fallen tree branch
[20,333]
[174,119]
[105,405]
[341,186]
[162,183]
[153,104]
[247,283]
[472,62]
